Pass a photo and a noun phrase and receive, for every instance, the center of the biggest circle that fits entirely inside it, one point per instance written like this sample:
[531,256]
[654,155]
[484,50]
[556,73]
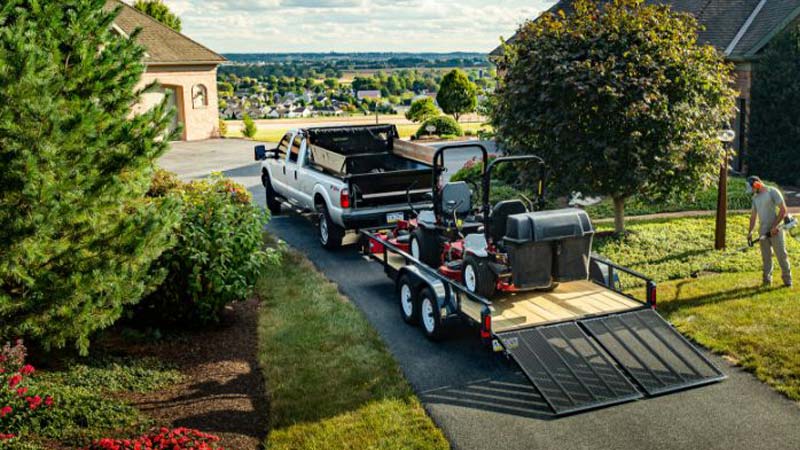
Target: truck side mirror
[260,152]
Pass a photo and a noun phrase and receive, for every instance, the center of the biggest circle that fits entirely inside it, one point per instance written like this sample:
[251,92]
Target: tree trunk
[619,215]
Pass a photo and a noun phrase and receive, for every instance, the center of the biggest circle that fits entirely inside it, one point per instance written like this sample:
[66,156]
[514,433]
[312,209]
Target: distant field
[273,130]
[349,75]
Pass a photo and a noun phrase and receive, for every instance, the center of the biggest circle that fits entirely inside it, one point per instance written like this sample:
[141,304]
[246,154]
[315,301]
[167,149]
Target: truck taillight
[344,198]
[652,295]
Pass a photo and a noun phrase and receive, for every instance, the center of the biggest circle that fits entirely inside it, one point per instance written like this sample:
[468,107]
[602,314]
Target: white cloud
[353,25]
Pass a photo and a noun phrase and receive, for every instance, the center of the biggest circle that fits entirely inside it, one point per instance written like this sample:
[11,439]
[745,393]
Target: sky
[276,26]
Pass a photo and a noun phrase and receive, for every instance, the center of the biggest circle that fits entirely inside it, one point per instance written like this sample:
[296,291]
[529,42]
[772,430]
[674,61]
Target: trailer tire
[425,247]
[407,300]
[330,234]
[478,277]
[273,204]
[430,315]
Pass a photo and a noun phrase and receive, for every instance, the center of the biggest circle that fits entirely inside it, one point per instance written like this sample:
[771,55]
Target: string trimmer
[790,225]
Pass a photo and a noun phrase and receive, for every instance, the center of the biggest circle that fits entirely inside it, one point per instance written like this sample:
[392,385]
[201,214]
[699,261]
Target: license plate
[394,217]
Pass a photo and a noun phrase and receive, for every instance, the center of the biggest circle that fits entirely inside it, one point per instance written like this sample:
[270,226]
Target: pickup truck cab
[351,177]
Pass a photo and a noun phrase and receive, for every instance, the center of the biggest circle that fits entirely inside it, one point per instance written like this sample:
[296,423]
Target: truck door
[278,169]
[295,195]
[305,180]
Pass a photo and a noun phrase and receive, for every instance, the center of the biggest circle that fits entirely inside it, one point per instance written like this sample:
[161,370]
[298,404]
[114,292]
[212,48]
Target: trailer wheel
[425,247]
[409,304]
[478,277]
[330,234]
[273,204]
[430,316]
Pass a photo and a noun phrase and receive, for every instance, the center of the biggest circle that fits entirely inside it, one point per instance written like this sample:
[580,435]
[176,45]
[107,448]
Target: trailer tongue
[584,344]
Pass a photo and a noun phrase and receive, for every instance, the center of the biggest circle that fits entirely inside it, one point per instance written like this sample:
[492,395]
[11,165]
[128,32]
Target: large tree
[775,128]
[457,94]
[77,236]
[620,99]
[159,11]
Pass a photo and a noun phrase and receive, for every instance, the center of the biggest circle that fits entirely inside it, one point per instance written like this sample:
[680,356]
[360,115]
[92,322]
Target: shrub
[218,256]
[457,94]
[21,403]
[444,125]
[422,110]
[163,182]
[177,439]
[77,243]
[223,128]
[249,130]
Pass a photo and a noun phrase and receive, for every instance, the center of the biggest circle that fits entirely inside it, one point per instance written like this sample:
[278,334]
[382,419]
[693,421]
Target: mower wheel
[478,277]
[425,247]
[330,234]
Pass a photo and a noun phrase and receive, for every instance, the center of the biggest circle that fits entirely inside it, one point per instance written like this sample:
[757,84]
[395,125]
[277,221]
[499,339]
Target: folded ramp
[568,368]
[652,352]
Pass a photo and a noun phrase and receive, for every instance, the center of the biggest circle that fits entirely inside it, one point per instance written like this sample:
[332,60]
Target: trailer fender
[422,280]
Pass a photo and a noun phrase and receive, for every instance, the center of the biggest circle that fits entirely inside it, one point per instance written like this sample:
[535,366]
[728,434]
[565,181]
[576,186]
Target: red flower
[6,410]
[27,369]
[48,401]
[22,391]
[34,402]
[14,380]
[6,436]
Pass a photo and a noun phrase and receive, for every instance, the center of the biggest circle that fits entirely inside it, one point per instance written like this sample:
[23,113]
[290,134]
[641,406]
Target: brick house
[740,29]
[183,67]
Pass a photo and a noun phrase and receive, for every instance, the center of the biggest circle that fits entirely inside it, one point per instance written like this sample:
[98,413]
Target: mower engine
[548,246]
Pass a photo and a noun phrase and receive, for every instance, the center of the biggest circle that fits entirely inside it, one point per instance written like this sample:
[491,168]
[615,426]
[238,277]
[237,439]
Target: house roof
[164,45]
[740,28]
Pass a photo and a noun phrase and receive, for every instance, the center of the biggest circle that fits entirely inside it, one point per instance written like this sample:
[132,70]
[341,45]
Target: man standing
[770,208]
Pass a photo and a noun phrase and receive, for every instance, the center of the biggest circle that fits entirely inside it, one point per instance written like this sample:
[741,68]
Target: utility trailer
[583,345]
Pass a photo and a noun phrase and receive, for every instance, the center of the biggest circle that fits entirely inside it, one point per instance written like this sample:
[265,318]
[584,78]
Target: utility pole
[726,137]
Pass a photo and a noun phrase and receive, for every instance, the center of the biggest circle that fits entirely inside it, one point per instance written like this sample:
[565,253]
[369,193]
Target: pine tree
[77,236]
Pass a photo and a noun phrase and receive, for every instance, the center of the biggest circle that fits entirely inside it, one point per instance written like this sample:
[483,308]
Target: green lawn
[727,311]
[332,382]
[405,130]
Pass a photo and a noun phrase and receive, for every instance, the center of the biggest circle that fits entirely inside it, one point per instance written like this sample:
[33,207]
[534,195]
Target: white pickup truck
[352,177]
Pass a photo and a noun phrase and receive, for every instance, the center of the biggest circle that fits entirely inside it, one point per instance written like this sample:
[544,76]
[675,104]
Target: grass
[406,131]
[672,249]
[757,328]
[727,311]
[332,382]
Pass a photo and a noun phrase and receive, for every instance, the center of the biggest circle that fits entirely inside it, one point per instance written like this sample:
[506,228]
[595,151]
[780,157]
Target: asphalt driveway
[483,402]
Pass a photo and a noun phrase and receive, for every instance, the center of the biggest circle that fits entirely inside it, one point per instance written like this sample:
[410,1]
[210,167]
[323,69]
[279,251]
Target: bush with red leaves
[166,439]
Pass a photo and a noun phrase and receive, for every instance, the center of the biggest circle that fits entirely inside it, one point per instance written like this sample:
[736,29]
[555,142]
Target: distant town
[277,86]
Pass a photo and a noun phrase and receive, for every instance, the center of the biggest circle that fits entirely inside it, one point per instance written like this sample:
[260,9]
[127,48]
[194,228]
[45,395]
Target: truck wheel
[273,204]
[330,234]
[430,315]
[409,304]
[425,247]
[478,277]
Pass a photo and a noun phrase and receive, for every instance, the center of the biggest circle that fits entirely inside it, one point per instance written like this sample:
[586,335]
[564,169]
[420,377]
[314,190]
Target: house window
[199,96]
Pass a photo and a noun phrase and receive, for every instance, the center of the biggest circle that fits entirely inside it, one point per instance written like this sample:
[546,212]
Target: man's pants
[777,244]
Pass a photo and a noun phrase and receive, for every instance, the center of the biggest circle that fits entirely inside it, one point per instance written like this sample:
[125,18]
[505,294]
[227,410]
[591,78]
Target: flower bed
[177,439]
[20,402]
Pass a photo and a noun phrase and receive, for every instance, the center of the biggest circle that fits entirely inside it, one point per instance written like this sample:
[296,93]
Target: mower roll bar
[487,178]
[438,168]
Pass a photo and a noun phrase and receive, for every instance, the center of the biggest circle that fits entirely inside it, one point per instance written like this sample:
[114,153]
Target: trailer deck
[584,345]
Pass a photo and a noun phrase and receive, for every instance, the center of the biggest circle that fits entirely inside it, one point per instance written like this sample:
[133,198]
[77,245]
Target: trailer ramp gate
[577,366]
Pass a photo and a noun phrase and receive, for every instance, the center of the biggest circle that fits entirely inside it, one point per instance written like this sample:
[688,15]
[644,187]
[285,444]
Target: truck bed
[569,301]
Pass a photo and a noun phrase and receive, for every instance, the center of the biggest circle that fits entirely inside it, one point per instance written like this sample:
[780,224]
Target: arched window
[199,96]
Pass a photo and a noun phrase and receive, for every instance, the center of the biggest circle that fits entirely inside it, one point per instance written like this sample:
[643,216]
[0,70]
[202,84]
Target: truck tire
[478,277]
[273,204]
[424,246]
[330,234]
[407,300]
[430,315]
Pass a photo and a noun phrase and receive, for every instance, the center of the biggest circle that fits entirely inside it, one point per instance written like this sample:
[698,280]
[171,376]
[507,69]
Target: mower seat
[499,217]
[457,193]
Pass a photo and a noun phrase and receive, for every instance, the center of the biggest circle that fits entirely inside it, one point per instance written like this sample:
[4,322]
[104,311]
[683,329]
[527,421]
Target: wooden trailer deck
[569,301]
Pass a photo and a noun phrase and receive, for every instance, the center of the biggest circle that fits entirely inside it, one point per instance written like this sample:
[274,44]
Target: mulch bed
[223,392]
